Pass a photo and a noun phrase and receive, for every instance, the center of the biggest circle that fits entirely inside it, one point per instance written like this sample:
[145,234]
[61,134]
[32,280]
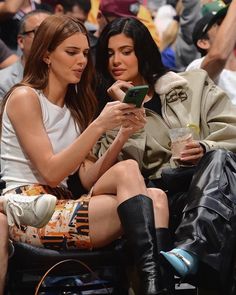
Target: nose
[116,59]
[81,59]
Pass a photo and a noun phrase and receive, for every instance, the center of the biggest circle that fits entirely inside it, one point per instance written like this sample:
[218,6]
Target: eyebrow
[76,48]
[124,46]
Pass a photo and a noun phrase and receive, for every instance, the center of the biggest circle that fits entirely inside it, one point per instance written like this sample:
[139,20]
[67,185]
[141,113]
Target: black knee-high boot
[137,219]
[164,239]
[165,243]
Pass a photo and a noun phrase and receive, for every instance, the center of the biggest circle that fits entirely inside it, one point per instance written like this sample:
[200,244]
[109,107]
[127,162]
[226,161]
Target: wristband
[176,17]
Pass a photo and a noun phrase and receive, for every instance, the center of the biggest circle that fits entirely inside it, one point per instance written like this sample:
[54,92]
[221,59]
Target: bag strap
[62,262]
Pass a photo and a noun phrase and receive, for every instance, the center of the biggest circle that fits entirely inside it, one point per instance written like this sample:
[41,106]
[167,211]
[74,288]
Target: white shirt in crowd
[226,80]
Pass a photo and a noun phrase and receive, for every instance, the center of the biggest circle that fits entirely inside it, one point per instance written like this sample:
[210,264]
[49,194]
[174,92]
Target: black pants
[208,226]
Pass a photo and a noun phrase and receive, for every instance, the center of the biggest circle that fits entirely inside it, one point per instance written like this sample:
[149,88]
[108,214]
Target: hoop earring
[76,88]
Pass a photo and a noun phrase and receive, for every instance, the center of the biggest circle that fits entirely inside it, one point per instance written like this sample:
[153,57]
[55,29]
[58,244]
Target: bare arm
[24,111]
[91,172]
[10,7]
[223,44]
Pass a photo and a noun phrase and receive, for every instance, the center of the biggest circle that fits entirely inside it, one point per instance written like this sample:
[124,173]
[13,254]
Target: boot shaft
[137,219]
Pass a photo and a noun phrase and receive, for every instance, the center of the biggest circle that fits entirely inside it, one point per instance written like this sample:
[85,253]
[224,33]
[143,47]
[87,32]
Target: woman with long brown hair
[48,131]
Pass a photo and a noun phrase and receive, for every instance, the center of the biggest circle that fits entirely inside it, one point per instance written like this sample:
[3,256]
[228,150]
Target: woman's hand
[134,122]
[118,89]
[115,114]
[192,152]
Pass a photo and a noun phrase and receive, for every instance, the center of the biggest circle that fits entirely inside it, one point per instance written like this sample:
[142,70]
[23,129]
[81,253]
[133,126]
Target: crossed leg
[120,183]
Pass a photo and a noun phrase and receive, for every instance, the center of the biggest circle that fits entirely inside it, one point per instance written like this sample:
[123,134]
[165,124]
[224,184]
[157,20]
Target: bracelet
[176,17]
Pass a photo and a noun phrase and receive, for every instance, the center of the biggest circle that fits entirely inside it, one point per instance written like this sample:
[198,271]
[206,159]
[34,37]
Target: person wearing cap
[215,39]
[110,9]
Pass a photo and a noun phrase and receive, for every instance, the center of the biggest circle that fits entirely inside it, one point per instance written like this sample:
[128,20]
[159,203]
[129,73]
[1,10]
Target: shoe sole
[51,209]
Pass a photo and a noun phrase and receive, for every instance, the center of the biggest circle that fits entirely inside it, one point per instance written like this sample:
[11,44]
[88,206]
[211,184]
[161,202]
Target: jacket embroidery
[175,94]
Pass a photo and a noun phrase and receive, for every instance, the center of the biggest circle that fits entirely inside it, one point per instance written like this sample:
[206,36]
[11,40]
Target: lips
[79,70]
[78,73]
[118,72]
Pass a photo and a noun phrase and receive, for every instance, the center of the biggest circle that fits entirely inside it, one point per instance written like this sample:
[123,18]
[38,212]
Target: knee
[159,199]
[126,169]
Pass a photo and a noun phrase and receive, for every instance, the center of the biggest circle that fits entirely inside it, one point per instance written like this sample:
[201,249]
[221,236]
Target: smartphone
[136,95]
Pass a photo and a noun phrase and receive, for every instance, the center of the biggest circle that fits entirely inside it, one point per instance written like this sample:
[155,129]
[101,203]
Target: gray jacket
[10,76]
[185,50]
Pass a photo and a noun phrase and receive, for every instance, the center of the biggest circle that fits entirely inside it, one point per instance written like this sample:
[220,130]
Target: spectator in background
[11,12]
[79,9]
[215,38]
[8,8]
[6,56]
[28,26]
[154,5]
[163,17]
[110,9]
[167,21]
[144,15]
[212,6]
[185,50]
[92,16]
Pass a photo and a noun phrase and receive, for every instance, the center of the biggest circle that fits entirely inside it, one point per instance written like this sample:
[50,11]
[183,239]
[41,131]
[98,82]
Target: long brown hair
[51,33]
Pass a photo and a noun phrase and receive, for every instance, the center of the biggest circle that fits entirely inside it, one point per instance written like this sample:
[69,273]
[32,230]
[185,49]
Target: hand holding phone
[136,95]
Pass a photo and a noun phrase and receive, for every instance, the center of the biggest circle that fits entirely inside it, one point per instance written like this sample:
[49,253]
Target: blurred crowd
[184,31]
[171,23]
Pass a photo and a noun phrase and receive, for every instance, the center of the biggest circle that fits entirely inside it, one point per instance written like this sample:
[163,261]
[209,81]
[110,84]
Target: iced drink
[179,138]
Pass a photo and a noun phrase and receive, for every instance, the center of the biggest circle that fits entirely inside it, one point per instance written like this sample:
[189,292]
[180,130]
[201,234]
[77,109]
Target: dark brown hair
[50,34]
[150,64]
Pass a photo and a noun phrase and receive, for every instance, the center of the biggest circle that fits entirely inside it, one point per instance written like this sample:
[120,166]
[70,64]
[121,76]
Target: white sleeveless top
[16,167]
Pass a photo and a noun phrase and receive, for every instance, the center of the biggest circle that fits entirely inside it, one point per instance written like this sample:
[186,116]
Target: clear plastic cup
[179,138]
